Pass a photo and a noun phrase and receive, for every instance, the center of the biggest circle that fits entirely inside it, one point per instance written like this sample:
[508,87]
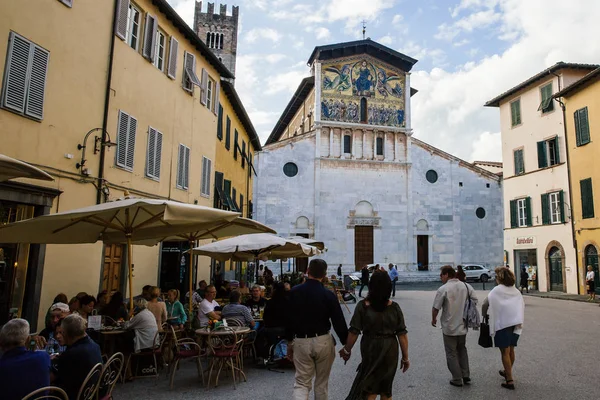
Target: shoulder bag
[485,340]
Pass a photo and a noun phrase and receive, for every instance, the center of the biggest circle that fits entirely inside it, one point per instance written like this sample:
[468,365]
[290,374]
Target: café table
[109,337]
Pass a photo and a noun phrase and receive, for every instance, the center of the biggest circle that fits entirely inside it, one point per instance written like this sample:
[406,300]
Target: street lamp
[98,144]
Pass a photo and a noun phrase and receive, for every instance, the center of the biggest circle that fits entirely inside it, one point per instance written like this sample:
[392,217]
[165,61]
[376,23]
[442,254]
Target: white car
[478,272]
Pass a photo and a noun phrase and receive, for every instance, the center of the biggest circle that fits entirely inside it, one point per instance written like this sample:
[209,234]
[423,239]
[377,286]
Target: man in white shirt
[206,309]
[451,299]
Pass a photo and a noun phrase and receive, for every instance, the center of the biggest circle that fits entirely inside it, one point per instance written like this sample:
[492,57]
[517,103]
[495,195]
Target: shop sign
[525,241]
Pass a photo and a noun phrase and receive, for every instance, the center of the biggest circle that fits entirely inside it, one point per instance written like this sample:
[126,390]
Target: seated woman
[86,308]
[158,308]
[143,324]
[115,308]
[175,312]
[275,319]
[235,310]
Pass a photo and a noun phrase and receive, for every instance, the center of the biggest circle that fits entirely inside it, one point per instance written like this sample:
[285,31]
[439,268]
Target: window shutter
[528,210]
[131,142]
[172,67]
[587,198]
[228,133]
[151,156]
[121,25]
[203,87]
[150,38]
[217,97]
[561,196]
[556,150]
[545,209]
[518,111]
[37,83]
[122,128]
[158,154]
[180,160]
[220,123]
[581,121]
[514,217]
[541,150]
[15,81]
[518,159]
[235,144]
[186,165]
[243,153]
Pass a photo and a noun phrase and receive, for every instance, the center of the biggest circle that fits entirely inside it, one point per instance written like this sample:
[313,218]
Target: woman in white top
[507,312]
[591,285]
[144,325]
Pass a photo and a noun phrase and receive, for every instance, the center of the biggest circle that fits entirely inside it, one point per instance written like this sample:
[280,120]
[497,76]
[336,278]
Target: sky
[469,51]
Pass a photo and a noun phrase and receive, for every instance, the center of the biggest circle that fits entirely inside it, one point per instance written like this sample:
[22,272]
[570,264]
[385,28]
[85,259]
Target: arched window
[208,39]
[302,223]
[379,146]
[422,225]
[347,144]
[364,115]
[363,209]
[221,42]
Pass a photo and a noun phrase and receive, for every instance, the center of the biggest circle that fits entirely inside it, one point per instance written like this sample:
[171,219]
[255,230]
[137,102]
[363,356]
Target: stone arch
[586,247]
[302,223]
[549,247]
[363,209]
[422,225]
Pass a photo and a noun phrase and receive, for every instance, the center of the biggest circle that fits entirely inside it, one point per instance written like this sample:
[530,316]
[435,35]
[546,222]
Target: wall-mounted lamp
[98,144]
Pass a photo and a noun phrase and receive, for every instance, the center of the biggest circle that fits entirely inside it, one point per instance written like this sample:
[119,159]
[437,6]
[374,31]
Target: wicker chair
[47,393]
[110,375]
[185,349]
[89,388]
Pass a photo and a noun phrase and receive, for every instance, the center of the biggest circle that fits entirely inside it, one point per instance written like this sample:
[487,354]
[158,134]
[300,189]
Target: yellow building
[581,105]
[143,104]
[234,165]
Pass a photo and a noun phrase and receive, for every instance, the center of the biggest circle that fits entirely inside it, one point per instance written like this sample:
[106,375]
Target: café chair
[225,348]
[156,353]
[47,393]
[110,375]
[89,388]
[185,349]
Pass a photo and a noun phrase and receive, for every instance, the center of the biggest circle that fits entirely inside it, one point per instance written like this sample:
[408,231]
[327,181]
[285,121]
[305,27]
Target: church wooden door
[423,252]
[113,261]
[363,246]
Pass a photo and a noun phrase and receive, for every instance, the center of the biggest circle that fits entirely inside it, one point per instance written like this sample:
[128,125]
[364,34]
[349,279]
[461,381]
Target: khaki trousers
[313,357]
[457,357]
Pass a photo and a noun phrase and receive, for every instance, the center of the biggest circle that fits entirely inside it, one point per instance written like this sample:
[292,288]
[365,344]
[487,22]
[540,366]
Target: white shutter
[203,180]
[204,87]
[68,3]
[121,25]
[151,156]
[217,98]
[186,174]
[131,142]
[158,154]
[15,80]
[189,71]
[180,161]
[149,49]
[122,130]
[172,66]
[206,173]
[37,82]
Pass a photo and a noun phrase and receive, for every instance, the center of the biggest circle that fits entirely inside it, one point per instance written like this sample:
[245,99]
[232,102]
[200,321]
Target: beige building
[142,106]
[538,232]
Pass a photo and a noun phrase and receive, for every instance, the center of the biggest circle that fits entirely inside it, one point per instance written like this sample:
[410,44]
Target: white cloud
[485,147]
[322,33]
[386,40]
[275,58]
[397,19]
[414,50]
[477,20]
[262,33]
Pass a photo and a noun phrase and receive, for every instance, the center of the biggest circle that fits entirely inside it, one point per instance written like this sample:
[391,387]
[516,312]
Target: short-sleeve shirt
[239,312]
[206,307]
[451,298]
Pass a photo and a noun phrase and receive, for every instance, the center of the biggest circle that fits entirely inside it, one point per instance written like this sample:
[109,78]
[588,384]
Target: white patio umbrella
[123,221]
[11,168]
[311,242]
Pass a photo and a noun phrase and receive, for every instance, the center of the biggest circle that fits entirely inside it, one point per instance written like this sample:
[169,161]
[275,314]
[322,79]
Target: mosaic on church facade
[362,90]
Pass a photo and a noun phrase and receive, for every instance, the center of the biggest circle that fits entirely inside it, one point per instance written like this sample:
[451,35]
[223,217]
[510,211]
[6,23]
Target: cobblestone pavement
[555,359]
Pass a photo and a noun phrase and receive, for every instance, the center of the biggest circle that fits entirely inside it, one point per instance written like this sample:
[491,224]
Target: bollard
[483,285]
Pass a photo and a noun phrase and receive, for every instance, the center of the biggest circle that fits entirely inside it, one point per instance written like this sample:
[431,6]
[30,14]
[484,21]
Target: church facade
[341,166]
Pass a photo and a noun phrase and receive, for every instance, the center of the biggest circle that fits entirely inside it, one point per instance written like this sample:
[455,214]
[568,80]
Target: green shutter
[547,104]
[577,127]
[235,144]
[587,198]
[562,206]
[515,112]
[528,210]
[228,133]
[220,123]
[556,150]
[545,209]
[513,214]
[584,126]
[519,167]
[542,157]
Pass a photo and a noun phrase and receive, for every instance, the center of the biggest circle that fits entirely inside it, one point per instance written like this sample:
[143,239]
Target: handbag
[485,340]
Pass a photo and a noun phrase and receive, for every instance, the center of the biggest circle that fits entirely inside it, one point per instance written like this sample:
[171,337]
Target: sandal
[509,385]
[502,373]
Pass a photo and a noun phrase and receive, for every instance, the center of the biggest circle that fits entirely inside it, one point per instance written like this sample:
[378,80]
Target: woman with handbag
[589,280]
[506,314]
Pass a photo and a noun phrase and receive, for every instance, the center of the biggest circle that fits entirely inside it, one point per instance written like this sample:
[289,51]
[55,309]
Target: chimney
[223,10]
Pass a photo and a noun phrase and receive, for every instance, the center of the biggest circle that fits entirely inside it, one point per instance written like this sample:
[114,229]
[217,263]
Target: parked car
[371,268]
[478,273]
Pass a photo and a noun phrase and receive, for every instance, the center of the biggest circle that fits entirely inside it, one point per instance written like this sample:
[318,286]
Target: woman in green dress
[382,325]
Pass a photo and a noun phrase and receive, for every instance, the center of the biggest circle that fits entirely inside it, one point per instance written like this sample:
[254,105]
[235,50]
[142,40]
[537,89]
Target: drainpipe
[106,105]
[574,237]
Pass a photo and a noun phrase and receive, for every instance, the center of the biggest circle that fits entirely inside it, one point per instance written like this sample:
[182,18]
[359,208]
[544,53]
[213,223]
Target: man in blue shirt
[21,371]
[393,272]
[73,366]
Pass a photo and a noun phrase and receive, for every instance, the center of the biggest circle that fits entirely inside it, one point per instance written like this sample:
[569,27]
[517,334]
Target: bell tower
[218,31]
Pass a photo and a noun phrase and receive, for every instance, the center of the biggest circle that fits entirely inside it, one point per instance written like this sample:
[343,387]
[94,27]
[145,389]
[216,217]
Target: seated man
[201,289]
[244,288]
[256,302]
[58,311]
[206,309]
[234,310]
[21,371]
[73,366]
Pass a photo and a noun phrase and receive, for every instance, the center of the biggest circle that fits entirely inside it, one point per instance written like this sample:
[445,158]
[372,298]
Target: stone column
[364,144]
[396,134]
[342,133]
[353,144]
[385,140]
[374,144]
[330,142]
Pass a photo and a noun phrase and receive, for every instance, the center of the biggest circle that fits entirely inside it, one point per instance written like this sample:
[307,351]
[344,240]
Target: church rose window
[290,169]
[480,212]
[431,176]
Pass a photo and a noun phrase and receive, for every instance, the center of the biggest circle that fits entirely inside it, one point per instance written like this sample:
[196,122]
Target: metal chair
[47,393]
[110,375]
[225,347]
[89,388]
[156,352]
[185,349]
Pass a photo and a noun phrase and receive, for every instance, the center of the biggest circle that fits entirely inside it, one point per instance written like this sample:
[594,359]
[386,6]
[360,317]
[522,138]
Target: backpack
[470,313]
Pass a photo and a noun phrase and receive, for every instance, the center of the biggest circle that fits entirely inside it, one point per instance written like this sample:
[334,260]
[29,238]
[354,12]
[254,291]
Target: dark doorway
[302,262]
[591,258]
[174,272]
[423,252]
[556,273]
[363,246]
[364,115]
